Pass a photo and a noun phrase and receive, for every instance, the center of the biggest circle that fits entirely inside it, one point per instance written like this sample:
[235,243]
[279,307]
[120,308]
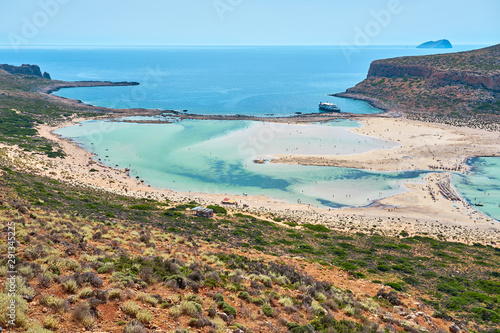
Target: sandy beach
[414,211]
[423,146]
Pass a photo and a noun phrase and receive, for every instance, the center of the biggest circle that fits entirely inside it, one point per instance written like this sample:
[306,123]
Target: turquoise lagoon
[482,185]
[217,157]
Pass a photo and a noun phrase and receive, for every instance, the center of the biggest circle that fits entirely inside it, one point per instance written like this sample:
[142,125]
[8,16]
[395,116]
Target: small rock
[454,328]
[223,316]
[399,309]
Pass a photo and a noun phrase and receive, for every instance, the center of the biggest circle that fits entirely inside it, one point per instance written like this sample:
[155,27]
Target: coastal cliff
[461,85]
[25,69]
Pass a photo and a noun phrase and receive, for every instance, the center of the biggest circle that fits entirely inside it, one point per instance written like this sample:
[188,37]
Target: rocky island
[439,44]
[451,88]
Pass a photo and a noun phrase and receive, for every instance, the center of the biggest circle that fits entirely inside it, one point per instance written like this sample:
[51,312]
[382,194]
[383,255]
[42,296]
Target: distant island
[439,44]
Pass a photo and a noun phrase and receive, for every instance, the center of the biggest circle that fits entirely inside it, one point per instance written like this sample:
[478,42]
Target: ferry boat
[328,107]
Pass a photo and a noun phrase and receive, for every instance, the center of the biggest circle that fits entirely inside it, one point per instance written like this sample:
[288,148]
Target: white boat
[328,107]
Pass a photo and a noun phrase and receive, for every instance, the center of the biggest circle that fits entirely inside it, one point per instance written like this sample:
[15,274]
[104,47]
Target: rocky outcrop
[454,88]
[436,77]
[23,69]
[46,76]
[380,68]
[439,44]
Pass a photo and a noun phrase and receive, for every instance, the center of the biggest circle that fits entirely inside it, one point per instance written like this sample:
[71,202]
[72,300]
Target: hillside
[458,87]
[88,259]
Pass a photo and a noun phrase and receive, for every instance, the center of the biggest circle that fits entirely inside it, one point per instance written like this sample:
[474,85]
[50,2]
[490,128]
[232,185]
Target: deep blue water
[215,80]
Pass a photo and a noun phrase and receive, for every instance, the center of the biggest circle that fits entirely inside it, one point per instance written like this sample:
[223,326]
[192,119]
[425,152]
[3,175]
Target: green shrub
[244,295]
[348,266]
[228,309]
[218,209]
[190,308]
[70,286]
[21,287]
[486,315]
[134,326]
[297,328]
[286,301]
[395,285]
[268,310]
[452,287]
[115,294]
[130,308]
[53,302]
[489,286]
[20,310]
[106,268]
[147,298]
[85,292]
[82,314]
[36,328]
[51,322]
[316,227]
[257,301]
[196,299]
[383,267]
[219,297]
[144,317]
[174,311]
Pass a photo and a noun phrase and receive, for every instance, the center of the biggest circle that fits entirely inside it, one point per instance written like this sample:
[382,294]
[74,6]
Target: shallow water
[217,157]
[482,186]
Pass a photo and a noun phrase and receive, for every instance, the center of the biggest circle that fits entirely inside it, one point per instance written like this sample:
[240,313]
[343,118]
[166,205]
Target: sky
[247,22]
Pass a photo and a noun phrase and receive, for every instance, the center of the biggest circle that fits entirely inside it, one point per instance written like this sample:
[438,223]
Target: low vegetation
[220,273]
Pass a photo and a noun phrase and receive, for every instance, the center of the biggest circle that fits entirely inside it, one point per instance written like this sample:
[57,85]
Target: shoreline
[296,118]
[58,85]
[412,211]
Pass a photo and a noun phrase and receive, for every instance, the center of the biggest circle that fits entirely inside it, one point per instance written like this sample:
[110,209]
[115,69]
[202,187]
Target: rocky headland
[25,69]
[454,87]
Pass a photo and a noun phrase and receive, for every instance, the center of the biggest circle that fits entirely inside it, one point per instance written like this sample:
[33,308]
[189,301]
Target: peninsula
[455,88]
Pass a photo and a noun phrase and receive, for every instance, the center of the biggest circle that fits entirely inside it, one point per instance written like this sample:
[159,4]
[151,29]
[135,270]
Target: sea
[216,156]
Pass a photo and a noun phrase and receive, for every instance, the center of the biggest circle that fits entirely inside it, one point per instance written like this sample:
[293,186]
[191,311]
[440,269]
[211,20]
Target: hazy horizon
[247,23]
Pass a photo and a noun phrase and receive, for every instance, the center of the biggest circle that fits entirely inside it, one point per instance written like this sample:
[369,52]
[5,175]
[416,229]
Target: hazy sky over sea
[247,22]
